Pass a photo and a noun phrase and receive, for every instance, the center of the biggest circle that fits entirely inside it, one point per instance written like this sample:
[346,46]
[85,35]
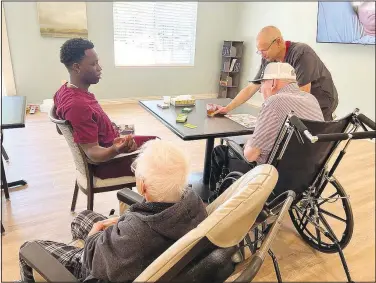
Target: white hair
[164,169]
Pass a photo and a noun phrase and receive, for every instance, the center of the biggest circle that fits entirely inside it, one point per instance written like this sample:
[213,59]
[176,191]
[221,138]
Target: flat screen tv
[346,22]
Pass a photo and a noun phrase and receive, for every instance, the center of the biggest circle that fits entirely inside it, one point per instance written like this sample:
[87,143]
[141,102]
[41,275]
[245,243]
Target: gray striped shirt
[274,111]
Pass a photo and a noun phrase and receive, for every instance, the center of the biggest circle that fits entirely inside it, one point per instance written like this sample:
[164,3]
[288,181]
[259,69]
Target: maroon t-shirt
[89,122]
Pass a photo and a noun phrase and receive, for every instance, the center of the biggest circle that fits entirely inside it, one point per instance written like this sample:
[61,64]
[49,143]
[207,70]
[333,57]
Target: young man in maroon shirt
[92,128]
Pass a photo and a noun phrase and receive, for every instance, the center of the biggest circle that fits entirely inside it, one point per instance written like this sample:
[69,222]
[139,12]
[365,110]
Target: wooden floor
[41,210]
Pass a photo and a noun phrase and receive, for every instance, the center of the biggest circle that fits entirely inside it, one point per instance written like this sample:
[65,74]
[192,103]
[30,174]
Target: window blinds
[154,33]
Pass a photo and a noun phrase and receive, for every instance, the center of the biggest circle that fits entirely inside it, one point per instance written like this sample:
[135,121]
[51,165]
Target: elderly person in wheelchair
[119,249]
[281,96]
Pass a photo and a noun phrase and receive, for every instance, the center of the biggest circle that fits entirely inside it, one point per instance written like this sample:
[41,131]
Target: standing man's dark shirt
[310,69]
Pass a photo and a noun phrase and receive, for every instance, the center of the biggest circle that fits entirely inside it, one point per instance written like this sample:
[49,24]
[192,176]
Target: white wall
[352,66]
[38,72]
[8,86]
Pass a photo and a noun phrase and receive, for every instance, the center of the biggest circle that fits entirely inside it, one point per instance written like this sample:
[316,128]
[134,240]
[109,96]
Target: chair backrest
[64,128]
[301,163]
[230,217]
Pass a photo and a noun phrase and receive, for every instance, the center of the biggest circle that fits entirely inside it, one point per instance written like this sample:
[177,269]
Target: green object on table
[181,118]
[186,110]
[190,126]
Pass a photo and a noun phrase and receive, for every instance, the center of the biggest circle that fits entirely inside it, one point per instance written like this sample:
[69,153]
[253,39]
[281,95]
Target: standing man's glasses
[260,51]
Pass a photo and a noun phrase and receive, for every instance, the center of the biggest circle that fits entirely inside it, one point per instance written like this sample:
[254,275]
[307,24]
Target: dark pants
[327,113]
[120,167]
[327,104]
[224,161]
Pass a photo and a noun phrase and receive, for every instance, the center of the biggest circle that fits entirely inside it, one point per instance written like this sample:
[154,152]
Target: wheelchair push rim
[337,220]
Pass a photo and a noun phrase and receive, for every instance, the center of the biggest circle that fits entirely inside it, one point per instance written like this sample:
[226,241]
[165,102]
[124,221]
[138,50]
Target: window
[154,33]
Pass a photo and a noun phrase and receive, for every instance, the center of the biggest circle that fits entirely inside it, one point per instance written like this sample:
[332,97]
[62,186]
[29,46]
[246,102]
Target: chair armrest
[129,197]
[45,264]
[131,155]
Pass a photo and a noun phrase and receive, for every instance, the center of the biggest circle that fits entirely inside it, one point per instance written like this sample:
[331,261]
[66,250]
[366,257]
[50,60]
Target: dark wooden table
[208,128]
[13,110]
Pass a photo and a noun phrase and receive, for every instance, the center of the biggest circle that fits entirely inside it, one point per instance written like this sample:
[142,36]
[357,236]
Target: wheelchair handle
[299,125]
[367,121]
[344,136]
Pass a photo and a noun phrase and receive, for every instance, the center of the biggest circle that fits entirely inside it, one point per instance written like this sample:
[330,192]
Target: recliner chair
[204,254]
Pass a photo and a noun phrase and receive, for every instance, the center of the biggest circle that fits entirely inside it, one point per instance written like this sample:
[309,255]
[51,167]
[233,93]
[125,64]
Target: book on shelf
[226,50]
[233,62]
[233,51]
[236,67]
[226,66]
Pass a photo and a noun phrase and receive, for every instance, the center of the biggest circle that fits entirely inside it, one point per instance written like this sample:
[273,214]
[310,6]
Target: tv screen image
[346,22]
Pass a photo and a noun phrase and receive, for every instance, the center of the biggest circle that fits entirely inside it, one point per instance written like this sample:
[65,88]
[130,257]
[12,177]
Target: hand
[110,221]
[125,144]
[221,110]
[132,146]
[102,225]
[97,227]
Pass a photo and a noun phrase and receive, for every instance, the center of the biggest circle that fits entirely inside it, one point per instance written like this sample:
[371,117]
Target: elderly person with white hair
[119,249]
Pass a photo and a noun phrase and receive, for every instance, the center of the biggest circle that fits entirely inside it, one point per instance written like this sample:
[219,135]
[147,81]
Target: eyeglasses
[260,51]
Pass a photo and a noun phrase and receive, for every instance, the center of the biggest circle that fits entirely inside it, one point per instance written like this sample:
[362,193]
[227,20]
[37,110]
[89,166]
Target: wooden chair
[85,180]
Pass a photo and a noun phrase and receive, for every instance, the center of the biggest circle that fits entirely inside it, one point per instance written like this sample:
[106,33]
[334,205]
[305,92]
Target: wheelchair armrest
[129,197]
[45,264]
[238,150]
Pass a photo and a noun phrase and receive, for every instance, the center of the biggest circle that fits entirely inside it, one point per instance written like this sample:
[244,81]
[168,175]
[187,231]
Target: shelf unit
[232,52]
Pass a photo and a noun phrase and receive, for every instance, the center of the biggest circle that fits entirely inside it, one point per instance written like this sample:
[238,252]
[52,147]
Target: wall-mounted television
[346,22]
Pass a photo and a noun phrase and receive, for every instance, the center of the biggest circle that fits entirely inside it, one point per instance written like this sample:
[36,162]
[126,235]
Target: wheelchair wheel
[331,211]
[229,180]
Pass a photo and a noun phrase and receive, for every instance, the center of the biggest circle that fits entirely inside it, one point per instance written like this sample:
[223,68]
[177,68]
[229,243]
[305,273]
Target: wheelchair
[303,155]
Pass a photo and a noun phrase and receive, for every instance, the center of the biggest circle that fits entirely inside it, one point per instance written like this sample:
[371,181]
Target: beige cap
[277,70]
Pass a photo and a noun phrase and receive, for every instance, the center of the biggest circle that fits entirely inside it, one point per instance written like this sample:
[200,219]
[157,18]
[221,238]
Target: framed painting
[62,19]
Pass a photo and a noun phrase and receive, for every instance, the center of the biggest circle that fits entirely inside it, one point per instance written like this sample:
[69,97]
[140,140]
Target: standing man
[312,75]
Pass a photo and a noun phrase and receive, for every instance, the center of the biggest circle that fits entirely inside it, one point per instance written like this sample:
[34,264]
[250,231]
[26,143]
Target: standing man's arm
[245,94]
[306,88]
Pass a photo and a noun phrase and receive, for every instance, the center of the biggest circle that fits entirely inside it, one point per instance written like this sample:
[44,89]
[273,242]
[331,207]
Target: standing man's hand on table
[244,95]
[221,110]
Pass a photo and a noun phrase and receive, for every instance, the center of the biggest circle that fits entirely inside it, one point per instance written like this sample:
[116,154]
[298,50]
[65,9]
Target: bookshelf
[229,80]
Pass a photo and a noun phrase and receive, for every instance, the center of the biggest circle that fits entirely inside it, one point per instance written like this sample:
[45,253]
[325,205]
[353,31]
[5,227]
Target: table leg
[200,181]
[207,160]
[4,183]
[4,153]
